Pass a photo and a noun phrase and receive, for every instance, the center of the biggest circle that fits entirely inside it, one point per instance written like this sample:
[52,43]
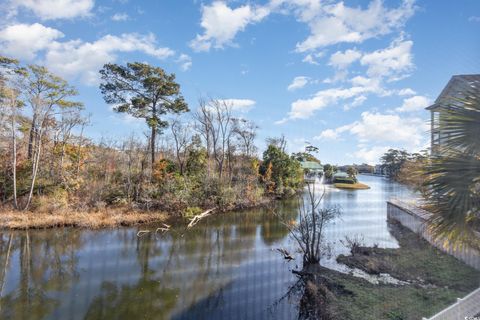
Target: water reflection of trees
[46,265]
[161,275]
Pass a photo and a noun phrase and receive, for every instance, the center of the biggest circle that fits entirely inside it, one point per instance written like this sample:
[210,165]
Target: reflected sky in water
[224,268]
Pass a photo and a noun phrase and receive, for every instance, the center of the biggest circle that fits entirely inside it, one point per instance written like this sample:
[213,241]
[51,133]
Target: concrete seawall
[415,219]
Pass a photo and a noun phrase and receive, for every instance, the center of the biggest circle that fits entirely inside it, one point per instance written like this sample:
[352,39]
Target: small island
[352,186]
[345,178]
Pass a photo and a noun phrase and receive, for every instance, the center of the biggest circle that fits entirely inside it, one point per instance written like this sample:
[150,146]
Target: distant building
[311,169]
[454,89]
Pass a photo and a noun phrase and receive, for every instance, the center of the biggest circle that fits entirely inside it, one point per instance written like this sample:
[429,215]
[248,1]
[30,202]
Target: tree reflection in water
[69,273]
[45,263]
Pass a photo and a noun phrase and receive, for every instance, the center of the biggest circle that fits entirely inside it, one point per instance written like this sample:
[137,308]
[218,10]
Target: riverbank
[93,220]
[103,218]
[430,281]
[352,186]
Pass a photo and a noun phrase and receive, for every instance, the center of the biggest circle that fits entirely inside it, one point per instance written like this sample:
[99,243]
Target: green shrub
[344,180]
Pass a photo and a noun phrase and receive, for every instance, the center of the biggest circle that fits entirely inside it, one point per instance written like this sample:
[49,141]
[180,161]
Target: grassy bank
[106,217]
[95,219]
[435,281]
[352,186]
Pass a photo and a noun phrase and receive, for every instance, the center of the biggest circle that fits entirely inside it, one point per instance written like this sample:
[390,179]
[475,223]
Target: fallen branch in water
[199,217]
[142,233]
[286,254]
[165,228]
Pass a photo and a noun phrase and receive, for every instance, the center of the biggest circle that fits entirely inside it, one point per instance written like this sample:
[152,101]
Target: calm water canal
[224,268]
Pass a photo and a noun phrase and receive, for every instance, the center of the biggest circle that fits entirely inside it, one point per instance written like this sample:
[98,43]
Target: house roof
[311,165]
[454,88]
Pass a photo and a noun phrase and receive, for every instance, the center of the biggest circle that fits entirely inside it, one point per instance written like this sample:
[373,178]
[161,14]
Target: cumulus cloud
[332,134]
[241,105]
[394,62]
[24,40]
[222,23]
[336,23]
[185,62]
[342,60]
[74,58]
[297,83]
[377,127]
[305,108]
[56,9]
[83,59]
[381,131]
[415,103]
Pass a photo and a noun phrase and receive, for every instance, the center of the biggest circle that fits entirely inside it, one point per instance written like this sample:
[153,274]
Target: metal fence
[464,308]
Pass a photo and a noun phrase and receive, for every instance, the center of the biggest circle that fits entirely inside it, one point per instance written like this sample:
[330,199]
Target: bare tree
[181,138]
[246,132]
[215,124]
[222,131]
[309,231]
[279,142]
[204,126]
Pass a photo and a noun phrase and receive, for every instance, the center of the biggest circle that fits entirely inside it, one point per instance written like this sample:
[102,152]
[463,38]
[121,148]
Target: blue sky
[350,77]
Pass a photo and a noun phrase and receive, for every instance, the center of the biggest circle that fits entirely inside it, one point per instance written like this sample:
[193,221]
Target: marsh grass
[104,218]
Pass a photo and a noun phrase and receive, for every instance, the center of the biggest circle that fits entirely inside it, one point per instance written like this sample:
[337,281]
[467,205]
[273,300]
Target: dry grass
[10,219]
[352,186]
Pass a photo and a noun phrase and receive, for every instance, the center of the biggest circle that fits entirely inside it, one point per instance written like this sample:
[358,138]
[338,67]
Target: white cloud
[304,108]
[358,101]
[342,60]
[185,62]
[311,58]
[297,83]
[377,127]
[24,41]
[241,105]
[371,155]
[74,58]
[406,92]
[415,103]
[332,134]
[56,9]
[474,19]
[394,62]
[222,23]
[80,59]
[336,23]
[120,17]
[381,131]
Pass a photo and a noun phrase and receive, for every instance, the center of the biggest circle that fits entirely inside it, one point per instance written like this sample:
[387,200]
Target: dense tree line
[188,160]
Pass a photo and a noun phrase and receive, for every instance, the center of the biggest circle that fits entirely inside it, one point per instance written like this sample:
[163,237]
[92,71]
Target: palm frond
[452,177]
